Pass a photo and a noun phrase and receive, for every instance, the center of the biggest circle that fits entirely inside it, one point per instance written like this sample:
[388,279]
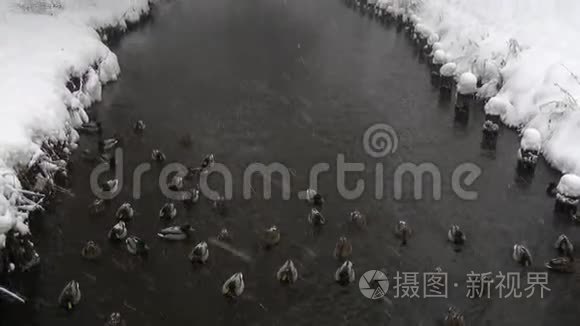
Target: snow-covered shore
[53,64]
[524,53]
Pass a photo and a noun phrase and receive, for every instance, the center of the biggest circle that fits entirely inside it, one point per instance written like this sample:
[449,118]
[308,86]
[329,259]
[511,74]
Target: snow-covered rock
[467,83]
[448,69]
[569,185]
[439,57]
[496,106]
[531,140]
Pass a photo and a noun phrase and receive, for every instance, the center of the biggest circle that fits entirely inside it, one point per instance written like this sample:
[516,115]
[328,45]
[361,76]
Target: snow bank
[44,44]
[524,52]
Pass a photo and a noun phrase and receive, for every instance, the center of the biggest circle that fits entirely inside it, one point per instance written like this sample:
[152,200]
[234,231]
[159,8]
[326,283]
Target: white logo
[373,284]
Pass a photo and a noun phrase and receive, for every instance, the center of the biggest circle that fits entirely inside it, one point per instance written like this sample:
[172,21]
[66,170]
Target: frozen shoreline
[523,53]
[53,64]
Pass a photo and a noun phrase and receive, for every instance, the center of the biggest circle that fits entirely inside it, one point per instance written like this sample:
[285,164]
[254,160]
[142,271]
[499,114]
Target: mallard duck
[403,231]
[345,273]
[115,319]
[199,253]
[564,246]
[522,255]
[194,195]
[176,183]
[176,232]
[70,296]
[91,128]
[316,218]
[118,231]
[560,264]
[139,126]
[91,251]
[168,211]
[125,212]
[271,236]
[224,235]
[358,219]
[157,155]
[287,273]
[455,235]
[343,249]
[108,144]
[234,286]
[111,185]
[454,317]
[98,206]
[136,246]
[551,189]
[208,162]
[313,198]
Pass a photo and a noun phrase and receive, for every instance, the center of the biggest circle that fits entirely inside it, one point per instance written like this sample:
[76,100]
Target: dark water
[296,82]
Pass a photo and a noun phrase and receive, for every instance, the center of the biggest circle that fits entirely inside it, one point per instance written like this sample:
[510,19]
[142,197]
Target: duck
[316,218]
[125,212]
[288,273]
[168,211]
[403,231]
[111,185]
[207,162]
[91,128]
[271,236]
[234,286]
[176,232]
[224,235]
[342,249]
[118,231]
[358,219]
[560,264]
[98,206]
[91,251]
[345,273]
[115,320]
[70,295]
[157,155]
[551,189]
[136,246]
[454,317]
[199,253]
[522,255]
[313,198]
[139,126]
[176,183]
[565,246]
[455,235]
[108,144]
[194,195]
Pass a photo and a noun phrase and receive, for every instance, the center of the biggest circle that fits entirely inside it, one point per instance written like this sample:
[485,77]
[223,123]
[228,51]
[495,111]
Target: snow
[569,185]
[524,52]
[497,106]
[467,83]
[531,139]
[42,44]
[448,69]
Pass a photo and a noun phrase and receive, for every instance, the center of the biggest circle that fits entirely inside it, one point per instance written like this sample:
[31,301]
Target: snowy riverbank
[53,64]
[524,53]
